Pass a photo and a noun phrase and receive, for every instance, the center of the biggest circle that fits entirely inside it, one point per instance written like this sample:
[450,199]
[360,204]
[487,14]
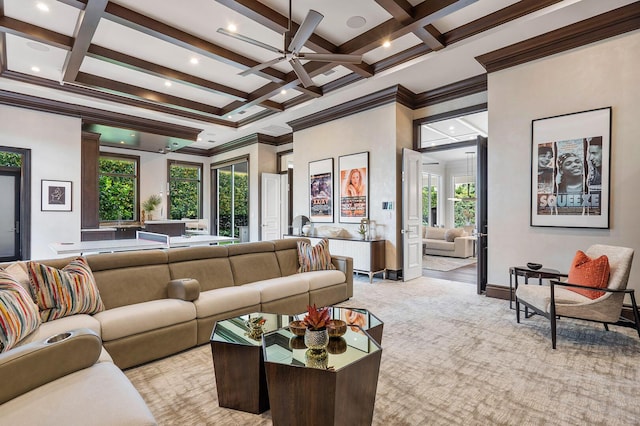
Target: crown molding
[606,25]
[391,94]
[250,140]
[459,89]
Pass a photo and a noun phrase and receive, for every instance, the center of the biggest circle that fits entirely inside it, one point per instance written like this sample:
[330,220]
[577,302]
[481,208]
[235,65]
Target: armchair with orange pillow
[594,291]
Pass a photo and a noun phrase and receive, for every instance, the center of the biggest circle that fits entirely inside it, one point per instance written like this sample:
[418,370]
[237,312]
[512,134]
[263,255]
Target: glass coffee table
[333,386]
[238,361]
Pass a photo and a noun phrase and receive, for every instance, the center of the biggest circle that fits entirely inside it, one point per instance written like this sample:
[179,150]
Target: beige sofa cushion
[435,233]
[214,302]
[73,322]
[133,319]
[280,288]
[322,279]
[440,245]
[252,267]
[100,395]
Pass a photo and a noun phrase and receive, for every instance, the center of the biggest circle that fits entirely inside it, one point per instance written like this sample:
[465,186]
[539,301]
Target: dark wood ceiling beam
[32,32]
[600,27]
[102,83]
[151,27]
[85,30]
[424,14]
[403,12]
[78,4]
[497,18]
[129,62]
[273,20]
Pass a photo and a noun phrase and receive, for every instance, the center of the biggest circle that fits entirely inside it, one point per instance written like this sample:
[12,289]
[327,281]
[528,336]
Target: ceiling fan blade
[331,57]
[261,66]
[307,28]
[302,74]
[250,40]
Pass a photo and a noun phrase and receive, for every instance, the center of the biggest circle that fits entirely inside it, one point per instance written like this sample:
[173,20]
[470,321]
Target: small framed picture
[56,196]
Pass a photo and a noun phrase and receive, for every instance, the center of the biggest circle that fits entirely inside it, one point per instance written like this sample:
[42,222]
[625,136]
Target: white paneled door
[411,214]
[270,214]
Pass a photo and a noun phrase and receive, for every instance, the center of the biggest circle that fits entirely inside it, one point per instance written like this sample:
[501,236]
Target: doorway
[452,166]
[15,224]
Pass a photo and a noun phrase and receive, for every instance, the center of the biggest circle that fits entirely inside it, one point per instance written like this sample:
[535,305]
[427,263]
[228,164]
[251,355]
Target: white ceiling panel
[60,17]
[23,55]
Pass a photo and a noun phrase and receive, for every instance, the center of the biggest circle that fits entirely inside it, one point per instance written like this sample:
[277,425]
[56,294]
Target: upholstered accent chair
[556,300]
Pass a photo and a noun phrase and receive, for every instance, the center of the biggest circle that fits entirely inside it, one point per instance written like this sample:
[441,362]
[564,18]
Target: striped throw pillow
[314,258]
[18,314]
[63,292]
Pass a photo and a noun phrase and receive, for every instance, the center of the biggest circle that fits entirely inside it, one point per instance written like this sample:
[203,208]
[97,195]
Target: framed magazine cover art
[56,196]
[321,190]
[570,170]
[354,187]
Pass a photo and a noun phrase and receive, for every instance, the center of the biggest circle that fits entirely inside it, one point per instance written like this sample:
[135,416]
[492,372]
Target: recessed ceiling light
[199,139]
[121,141]
[283,92]
[232,28]
[229,116]
[386,44]
[356,22]
[167,83]
[452,128]
[194,61]
[42,6]
[35,69]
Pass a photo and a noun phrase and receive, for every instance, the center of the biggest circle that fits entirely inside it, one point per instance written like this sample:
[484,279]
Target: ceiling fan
[292,45]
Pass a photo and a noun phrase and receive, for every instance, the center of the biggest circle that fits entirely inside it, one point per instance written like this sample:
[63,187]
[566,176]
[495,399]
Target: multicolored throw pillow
[18,314]
[314,258]
[63,292]
[589,272]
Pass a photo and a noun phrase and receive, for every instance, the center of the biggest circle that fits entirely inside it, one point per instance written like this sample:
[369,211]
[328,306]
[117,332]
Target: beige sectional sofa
[446,242]
[157,303]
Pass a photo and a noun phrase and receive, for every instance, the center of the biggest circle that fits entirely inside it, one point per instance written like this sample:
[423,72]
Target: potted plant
[362,230]
[151,203]
[316,336]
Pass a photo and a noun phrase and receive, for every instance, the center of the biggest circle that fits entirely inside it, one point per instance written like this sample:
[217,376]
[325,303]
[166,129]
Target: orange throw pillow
[589,272]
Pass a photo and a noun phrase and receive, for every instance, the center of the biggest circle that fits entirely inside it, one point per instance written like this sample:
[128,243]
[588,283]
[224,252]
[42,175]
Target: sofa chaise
[157,303]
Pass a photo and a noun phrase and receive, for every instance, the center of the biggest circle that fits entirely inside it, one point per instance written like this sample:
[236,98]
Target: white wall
[595,76]
[54,141]
[373,131]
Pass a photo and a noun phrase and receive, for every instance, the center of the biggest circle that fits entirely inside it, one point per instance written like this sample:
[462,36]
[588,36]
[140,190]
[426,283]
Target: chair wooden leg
[517,311]
[606,327]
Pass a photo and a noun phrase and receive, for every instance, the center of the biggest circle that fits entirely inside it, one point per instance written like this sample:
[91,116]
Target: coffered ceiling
[164,61]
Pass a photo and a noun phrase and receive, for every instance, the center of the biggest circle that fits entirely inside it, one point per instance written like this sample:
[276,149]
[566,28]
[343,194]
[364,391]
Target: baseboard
[394,274]
[497,291]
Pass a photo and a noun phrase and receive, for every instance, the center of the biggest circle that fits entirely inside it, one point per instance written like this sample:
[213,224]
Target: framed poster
[354,187]
[321,190]
[56,196]
[570,170]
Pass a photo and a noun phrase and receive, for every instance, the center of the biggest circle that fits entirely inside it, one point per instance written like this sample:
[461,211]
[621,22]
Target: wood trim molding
[497,291]
[250,140]
[459,89]
[395,93]
[98,116]
[606,25]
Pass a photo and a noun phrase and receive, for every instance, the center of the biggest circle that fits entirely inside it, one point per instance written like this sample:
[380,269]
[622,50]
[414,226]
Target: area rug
[450,357]
[444,264]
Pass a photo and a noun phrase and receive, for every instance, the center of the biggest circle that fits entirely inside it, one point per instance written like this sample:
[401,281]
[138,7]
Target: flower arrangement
[255,327]
[316,319]
[362,229]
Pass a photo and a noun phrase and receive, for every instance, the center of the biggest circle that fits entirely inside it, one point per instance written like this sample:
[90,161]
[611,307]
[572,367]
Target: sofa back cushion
[435,233]
[252,262]
[207,264]
[19,315]
[130,277]
[287,254]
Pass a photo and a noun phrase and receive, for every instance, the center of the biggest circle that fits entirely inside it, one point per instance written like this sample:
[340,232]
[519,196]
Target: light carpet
[445,264]
[449,357]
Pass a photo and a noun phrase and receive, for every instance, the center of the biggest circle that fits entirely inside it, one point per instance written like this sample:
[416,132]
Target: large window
[232,195]
[119,187]
[185,190]
[464,208]
[431,183]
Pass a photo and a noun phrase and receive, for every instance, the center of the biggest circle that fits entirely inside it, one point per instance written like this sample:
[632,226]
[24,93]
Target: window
[431,183]
[119,187]
[464,208]
[185,190]
[232,195]
[10,159]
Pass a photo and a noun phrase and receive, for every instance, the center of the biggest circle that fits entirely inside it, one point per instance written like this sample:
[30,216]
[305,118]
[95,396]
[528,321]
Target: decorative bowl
[297,342]
[534,266]
[336,328]
[297,328]
[337,345]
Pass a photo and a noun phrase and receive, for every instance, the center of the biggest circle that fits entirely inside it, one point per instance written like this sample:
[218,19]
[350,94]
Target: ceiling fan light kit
[291,51]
